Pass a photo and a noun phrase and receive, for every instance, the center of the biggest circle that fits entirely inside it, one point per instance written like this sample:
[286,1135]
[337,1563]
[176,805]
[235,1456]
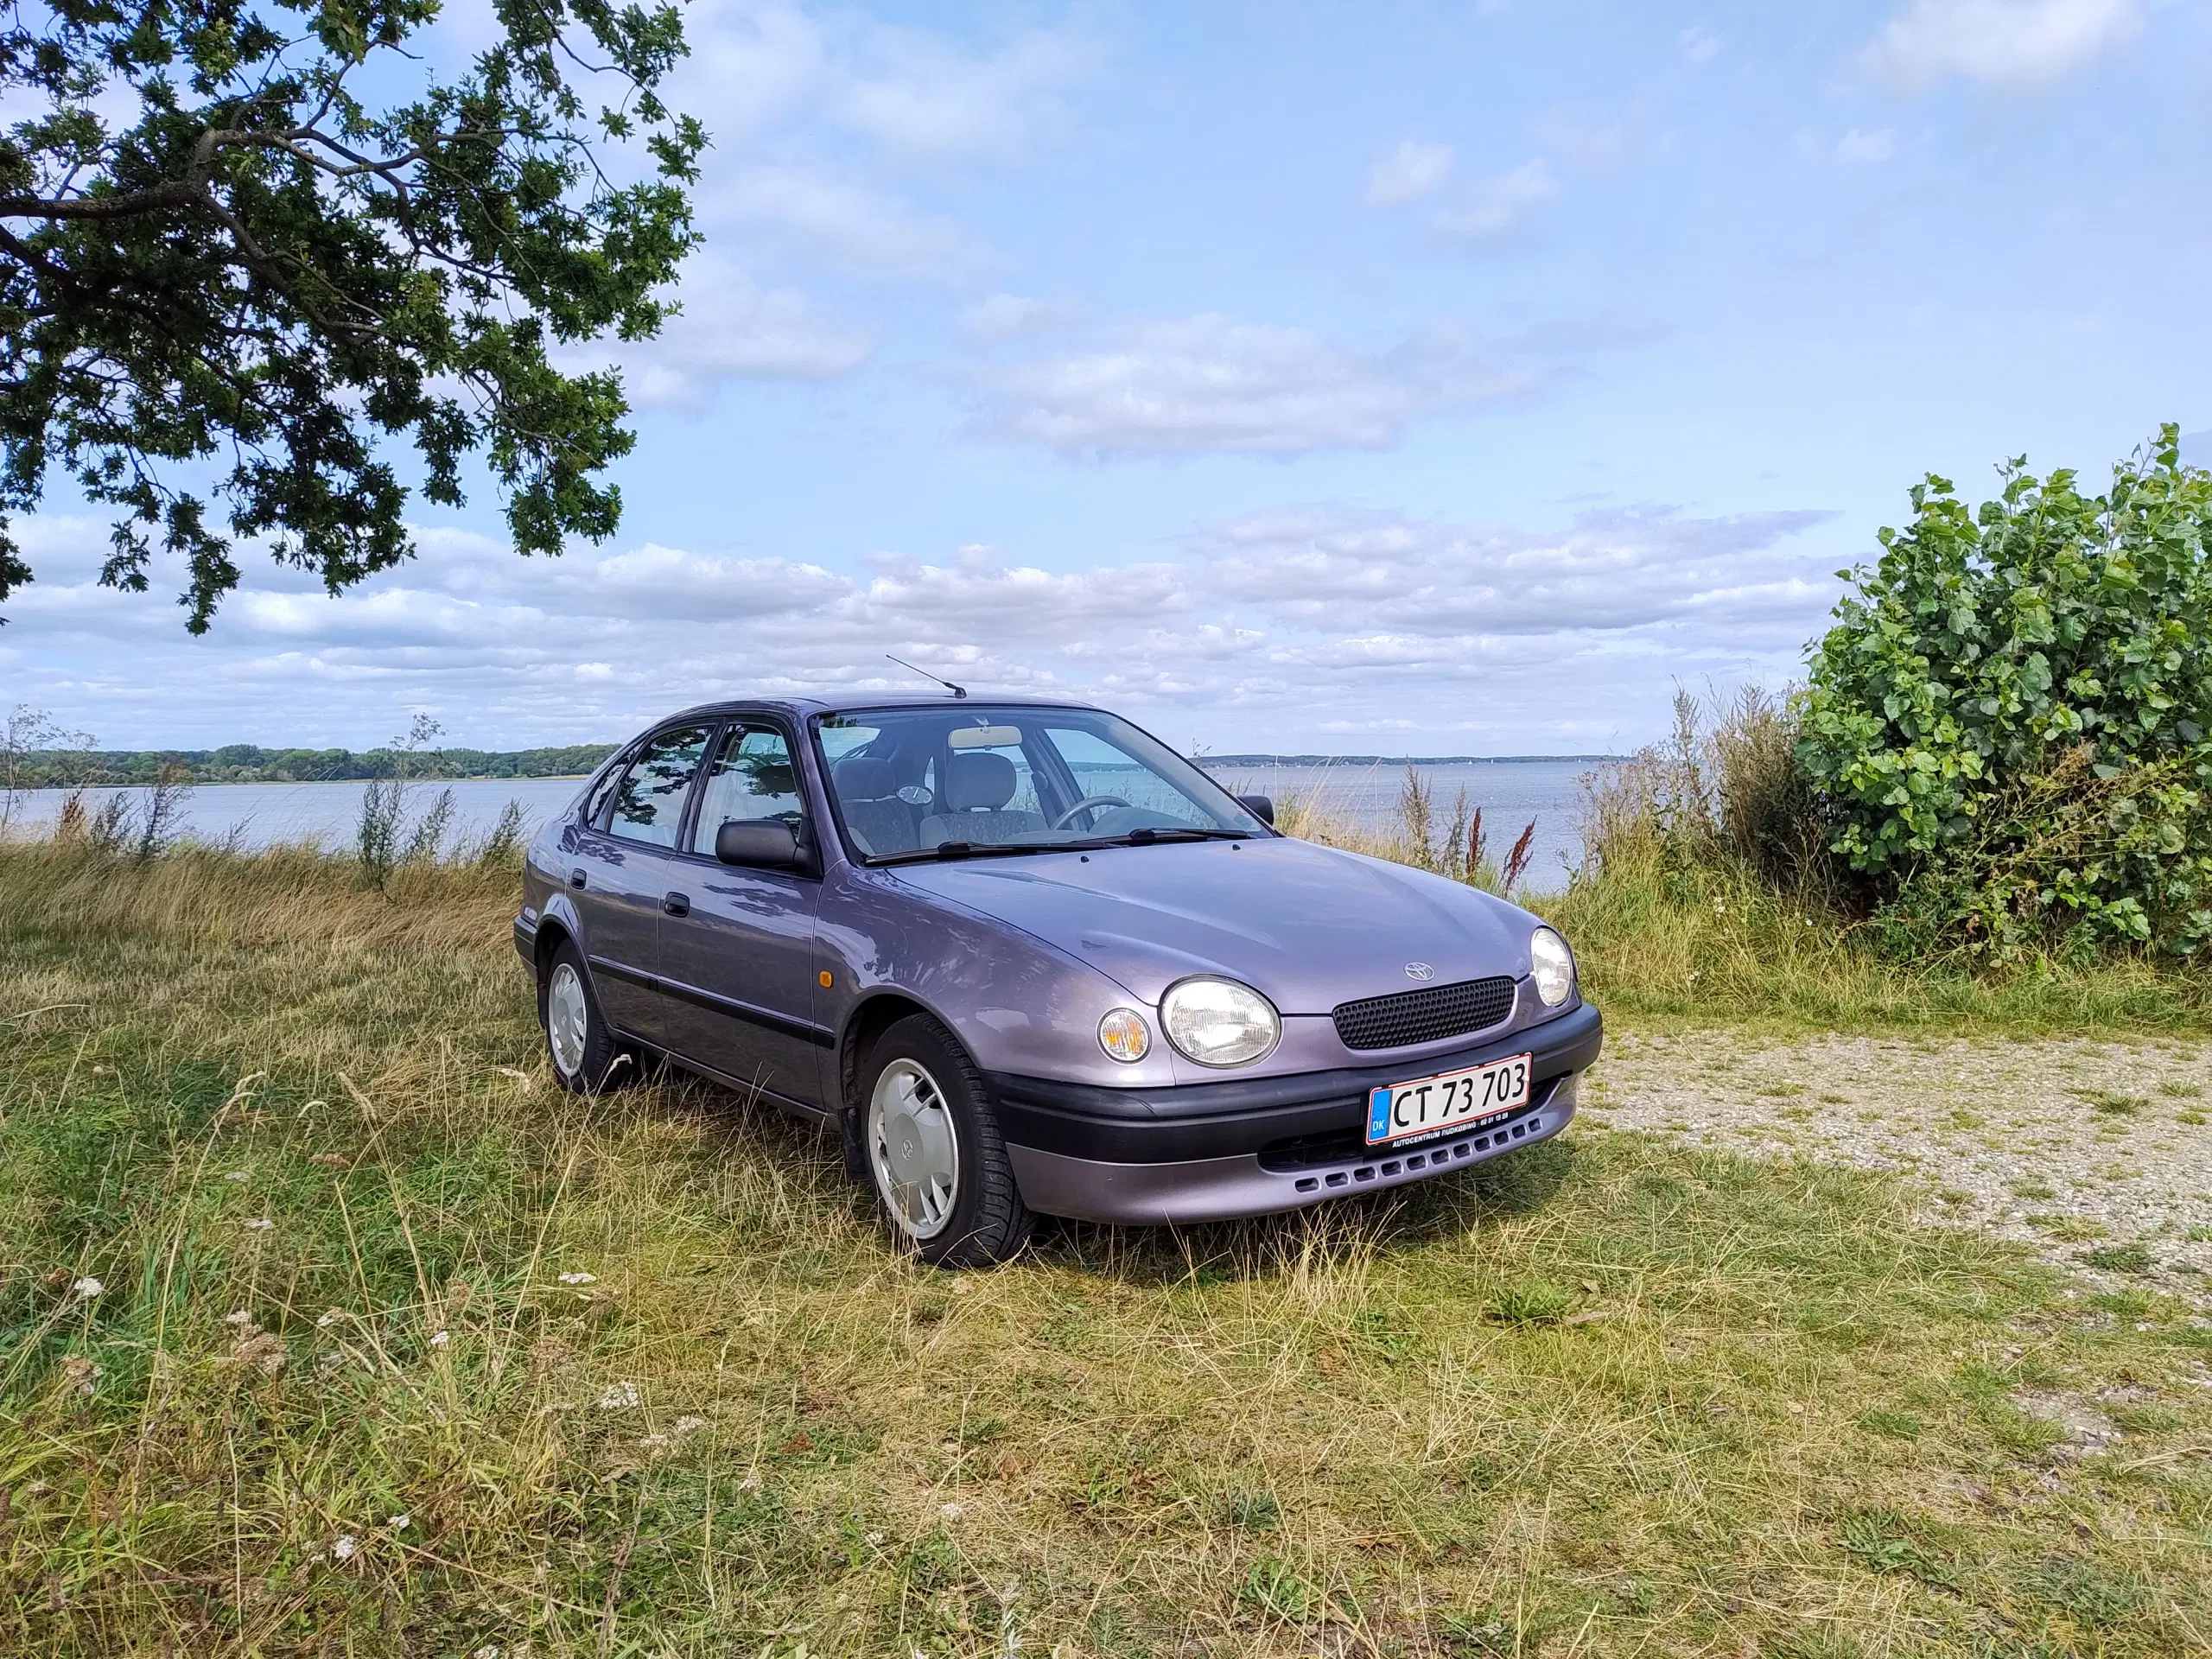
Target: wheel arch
[871,1017]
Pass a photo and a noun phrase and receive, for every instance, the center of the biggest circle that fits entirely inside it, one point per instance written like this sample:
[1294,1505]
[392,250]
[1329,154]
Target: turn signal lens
[1124,1035]
[1552,965]
[1219,1022]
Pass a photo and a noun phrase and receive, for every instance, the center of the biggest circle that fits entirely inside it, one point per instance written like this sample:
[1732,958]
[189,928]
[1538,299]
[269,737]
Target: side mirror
[1261,807]
[761,843]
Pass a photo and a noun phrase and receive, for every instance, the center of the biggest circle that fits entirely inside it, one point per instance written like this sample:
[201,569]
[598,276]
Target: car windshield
[969,780]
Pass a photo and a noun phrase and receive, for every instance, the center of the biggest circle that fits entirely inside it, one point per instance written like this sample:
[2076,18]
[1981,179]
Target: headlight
[1219,1022]
[1124,1036]
[1553,964]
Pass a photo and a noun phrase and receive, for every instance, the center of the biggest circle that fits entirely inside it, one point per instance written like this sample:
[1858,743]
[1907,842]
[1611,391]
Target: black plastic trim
[768,1018]
[1220,1119]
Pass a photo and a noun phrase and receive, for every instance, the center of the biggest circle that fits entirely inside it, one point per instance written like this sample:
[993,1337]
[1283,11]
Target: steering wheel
[1088,801]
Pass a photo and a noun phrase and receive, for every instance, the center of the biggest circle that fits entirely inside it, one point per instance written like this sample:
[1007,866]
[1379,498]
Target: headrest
[978,782]
[862,777]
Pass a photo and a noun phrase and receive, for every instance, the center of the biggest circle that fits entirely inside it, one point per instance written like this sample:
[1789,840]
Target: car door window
[751,778]
[649,807]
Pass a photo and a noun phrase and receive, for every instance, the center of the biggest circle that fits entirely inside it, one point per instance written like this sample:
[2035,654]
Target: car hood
[1307,926]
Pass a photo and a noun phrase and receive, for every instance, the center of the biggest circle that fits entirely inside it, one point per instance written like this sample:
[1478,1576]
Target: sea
[1511,794]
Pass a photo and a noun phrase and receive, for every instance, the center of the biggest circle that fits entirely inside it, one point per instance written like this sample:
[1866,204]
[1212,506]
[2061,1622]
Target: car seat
[868,794]
[977,787]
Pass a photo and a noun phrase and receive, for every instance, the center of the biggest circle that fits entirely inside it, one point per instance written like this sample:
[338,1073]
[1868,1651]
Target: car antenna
[957,691]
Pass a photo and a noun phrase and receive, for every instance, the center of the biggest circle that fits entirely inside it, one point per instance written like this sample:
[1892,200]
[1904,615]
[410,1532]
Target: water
[1511,794]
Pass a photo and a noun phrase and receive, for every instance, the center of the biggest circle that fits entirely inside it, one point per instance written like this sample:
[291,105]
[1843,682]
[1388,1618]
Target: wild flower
[579,1278]
[874,1539]
[750,1483]
[259,1224]
[620,1396]
[400,1522]
[87,1288]
[950,1511]
[237,1175]
[238,1316]
[345,1548]
[439,1338]
[683,1426]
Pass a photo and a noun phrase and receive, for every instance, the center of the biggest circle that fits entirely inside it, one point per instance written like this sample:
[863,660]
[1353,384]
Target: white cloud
[1583,141]
[840,221]
[922,96]
[729,328]
[1407,173]
[1212,385]
[2011,44]
[1419,580]
[1701,45]
[1272,631]
[1499,206]
[1867,149]
[998,318]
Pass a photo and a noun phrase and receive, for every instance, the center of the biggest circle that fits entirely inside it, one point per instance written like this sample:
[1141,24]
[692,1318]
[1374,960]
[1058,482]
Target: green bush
[2009,720]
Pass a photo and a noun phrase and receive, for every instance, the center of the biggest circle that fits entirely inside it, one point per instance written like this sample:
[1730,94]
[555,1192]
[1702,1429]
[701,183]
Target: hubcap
[567,1016]
[912,1149]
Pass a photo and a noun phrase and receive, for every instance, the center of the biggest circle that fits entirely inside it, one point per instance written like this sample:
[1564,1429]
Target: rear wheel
[587,1058]
[933,1151]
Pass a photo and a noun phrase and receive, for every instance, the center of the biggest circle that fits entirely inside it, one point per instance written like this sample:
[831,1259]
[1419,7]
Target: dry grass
[1600,1398]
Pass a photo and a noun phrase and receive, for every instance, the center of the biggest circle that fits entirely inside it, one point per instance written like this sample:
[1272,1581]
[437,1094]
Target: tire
[587,1057]
[933,1150]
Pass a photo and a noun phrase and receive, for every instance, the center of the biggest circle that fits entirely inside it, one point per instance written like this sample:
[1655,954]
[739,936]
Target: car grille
[1424,1016]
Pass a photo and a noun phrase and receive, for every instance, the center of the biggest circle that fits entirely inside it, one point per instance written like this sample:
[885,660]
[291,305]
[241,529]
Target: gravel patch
[2096,1154]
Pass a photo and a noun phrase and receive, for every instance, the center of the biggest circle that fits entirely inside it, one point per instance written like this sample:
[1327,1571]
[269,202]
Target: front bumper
[1209,1151]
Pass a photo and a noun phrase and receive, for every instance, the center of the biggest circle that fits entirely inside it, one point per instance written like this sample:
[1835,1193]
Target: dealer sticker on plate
[1450,1101]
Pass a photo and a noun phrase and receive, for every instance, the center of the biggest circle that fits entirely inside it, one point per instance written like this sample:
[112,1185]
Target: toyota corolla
[1029,960]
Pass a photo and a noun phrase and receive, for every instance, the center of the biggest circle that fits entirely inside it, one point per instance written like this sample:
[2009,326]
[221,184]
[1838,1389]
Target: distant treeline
[1389,760]
[244,763]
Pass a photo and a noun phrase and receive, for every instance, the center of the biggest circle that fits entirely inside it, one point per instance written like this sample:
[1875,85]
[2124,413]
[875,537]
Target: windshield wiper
[951,849]
[1146,836]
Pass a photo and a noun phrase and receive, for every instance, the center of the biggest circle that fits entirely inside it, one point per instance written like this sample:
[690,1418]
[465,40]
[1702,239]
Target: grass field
[394,1349]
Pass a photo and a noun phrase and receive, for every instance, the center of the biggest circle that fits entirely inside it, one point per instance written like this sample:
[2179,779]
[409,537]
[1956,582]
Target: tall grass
[329,1325]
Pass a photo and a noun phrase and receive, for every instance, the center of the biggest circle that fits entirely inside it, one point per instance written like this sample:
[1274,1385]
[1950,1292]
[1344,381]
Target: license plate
[1450,1101]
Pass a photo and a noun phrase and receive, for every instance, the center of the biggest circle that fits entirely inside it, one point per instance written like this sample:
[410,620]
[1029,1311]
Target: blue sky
[1429,378]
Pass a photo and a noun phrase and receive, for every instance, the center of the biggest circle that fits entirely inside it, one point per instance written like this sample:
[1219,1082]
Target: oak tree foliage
[249,246]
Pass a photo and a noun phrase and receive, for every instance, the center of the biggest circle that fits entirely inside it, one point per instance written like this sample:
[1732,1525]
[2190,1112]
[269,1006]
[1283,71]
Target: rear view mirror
[758,843]
[1261,807]
[984,737]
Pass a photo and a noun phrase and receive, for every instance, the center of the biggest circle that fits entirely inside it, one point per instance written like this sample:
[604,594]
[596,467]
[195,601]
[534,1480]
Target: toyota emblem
[1419,970]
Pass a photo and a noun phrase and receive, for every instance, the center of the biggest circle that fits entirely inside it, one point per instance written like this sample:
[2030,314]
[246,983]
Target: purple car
[1029,959]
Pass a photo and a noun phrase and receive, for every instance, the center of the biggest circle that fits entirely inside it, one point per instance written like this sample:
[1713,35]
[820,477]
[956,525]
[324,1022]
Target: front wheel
[933,1151]
[587,1058]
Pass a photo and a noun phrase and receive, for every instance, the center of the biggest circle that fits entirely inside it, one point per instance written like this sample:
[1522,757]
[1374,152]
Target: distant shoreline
[1397,759]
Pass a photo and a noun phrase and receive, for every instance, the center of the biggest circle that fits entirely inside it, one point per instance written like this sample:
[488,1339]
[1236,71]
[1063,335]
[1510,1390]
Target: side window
[751,778]
[602,791]
[649,807]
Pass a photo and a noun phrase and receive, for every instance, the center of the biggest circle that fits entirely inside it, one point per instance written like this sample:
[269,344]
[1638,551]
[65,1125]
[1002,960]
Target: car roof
[856,701]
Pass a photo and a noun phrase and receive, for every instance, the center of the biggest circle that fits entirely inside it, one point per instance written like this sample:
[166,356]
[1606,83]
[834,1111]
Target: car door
[625,867]
[737,957]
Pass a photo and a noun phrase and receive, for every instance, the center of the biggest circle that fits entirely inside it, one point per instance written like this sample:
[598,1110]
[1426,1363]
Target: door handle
[575,878]
[676,904]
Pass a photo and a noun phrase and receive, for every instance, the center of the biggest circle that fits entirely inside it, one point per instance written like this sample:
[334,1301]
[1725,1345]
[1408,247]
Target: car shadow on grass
[1339,1233]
